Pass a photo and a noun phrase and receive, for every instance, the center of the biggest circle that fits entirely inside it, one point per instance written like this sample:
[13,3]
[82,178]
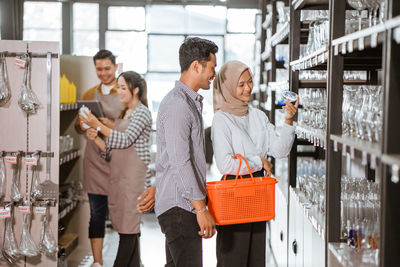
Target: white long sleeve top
[251,136]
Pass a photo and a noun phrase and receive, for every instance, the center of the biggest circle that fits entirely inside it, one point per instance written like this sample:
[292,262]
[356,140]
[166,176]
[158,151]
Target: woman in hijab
[239,128]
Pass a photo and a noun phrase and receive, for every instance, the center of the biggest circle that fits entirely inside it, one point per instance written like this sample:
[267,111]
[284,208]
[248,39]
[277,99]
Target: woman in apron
[239,128]
[127,148]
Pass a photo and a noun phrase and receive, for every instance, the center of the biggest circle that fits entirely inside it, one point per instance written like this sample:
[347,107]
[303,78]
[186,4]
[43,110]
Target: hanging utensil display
[5,91]
[10,248]
[48,244]
[27,246]
[16,183]
[28,101]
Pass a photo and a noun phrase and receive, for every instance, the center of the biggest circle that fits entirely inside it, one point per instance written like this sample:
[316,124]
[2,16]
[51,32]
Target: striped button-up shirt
[180,163]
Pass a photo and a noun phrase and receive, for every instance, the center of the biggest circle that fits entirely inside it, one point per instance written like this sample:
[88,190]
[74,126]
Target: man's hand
[148,200]
[206,223]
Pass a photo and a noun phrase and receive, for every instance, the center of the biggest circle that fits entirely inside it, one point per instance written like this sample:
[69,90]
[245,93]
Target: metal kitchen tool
[27,246]
[28,100]
[48,244]
[10,248]
[48,189]
[2,177]
[16,183]
[5,92]
[35,182]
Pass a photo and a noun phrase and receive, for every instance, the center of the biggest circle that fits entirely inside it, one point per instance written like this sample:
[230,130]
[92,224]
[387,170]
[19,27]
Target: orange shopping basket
[242,200]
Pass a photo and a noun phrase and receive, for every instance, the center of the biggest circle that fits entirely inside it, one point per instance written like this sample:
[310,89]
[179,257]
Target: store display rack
[70,155]
[68,107]
[375,49]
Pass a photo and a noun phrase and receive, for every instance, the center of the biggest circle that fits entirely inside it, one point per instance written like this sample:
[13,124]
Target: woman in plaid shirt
[126,145]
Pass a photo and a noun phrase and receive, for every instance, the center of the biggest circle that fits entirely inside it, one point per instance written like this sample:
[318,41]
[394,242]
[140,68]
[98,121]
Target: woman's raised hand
[91,120]
[291,109]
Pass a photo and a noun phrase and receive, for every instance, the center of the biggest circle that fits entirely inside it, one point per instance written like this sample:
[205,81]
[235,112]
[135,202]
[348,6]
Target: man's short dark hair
[104,54]
[195,49]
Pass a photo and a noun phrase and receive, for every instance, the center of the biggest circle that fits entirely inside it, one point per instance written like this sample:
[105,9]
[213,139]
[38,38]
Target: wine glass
[359,5]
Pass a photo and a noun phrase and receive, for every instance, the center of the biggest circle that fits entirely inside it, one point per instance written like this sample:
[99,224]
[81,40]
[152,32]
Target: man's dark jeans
[183,245]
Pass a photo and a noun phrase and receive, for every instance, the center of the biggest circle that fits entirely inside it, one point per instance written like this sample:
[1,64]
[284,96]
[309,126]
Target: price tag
[335,148]
[24,209]
[5,213]
[364,158]
[20,62]
[374,40]
[39,210]
[11,159]
[373,162]
[344,48]
[336,50]
[30,161]
[361,43]
[395,174]
[344,148]
[352,152]
[350,48]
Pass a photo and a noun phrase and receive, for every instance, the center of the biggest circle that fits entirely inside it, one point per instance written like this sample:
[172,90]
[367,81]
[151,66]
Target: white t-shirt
[105,89]
[251,136]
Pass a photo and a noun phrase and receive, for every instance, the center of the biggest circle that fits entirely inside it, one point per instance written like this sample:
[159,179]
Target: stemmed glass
[359,5]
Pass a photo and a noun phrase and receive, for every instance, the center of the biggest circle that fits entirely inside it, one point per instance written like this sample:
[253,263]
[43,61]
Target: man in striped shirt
[181,193]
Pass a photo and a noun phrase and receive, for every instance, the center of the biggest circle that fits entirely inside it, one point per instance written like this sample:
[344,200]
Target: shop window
[240,47]
[167,19]
[126,18]
[241,20]
[130,48]
[85,29]
[206,19]
[42,21]
[164,53]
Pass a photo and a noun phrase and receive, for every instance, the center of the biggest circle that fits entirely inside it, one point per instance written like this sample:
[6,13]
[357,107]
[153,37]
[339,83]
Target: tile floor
[151,242]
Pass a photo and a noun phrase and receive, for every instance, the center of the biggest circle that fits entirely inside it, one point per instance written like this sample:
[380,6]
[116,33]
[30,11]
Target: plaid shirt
[137,133]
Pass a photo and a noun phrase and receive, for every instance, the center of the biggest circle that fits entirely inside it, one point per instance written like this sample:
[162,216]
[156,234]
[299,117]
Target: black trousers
[183,245]
[128,251]
[98,215]
[241,245]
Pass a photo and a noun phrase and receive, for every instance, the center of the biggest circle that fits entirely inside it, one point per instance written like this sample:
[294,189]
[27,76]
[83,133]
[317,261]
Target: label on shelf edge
[336,50]
[350,48]
[24,209]
[344,148]
[31,161]
[352,152]
[361,43]
[373,162]
[39,210]
[364,160]
[335,147]
[20,62]
[374,40]
[5,213]
[11,159]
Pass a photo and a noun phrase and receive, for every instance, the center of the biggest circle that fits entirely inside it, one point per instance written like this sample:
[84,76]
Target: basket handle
[240,157]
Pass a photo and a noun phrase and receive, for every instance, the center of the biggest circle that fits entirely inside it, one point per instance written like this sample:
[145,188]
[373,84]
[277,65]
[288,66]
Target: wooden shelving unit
[375,50]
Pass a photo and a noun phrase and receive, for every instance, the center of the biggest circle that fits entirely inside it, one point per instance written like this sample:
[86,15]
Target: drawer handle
[281,236]
[294,247]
